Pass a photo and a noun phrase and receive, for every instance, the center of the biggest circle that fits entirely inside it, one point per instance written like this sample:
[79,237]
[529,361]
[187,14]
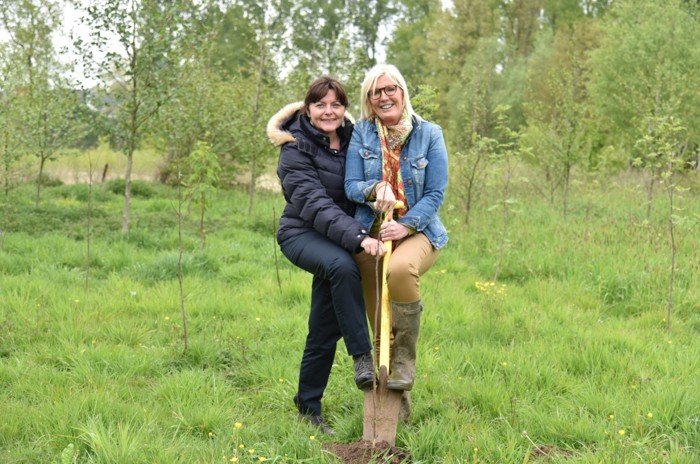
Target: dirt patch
[549,451]
[362,452]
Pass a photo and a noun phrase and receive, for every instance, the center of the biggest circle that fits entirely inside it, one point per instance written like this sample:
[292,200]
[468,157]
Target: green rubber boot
[405,323]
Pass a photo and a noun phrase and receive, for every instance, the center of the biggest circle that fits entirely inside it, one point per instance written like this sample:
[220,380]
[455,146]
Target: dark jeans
[337,310]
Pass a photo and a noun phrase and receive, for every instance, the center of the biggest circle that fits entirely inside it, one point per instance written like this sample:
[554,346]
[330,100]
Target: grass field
[565,360]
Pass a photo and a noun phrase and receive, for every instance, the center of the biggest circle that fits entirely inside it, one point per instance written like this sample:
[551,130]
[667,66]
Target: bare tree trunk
[202,207]
[88,230]
[650,193]
[133,129]
[470,189]
[126,217]
[567,176]
[180,277]
[274,249]
[669,303]
[505,214]
[42,162]
[256,115]
[6,166]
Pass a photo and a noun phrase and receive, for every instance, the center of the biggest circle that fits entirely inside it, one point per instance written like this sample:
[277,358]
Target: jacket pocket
[418,166]
[371,162]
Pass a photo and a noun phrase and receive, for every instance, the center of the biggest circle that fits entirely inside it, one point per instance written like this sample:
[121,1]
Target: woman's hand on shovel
[392,230]
[373,247]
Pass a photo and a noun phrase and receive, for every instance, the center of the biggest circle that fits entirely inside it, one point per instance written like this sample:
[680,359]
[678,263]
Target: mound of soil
[362,452]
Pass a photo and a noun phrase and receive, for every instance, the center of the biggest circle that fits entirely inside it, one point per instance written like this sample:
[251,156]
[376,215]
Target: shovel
[381,408]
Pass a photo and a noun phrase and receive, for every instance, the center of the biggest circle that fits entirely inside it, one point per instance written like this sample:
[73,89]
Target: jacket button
[405,158]
[410,182]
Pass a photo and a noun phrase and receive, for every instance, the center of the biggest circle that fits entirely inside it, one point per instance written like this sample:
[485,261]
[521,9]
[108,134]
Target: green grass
[551,368]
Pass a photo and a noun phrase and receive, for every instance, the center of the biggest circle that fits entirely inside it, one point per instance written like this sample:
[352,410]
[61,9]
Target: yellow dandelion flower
[251,451]
[611,416]
[241,446]
[476,449]
[211,434]
[621,432]
[650,415]
[167,318]
[257,319]
[77,301]
[312,437]
[262,459]
[234,459]
[238,425]
[504,364]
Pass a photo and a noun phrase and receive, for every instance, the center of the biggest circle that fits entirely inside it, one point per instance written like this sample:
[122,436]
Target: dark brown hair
[319,89]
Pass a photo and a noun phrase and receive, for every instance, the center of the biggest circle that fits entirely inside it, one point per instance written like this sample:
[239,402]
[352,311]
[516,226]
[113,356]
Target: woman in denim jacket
[395,155]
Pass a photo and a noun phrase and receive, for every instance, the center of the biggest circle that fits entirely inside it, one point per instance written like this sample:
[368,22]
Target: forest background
[568,123]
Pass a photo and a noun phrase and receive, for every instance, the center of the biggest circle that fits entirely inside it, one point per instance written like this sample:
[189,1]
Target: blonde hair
[370,84]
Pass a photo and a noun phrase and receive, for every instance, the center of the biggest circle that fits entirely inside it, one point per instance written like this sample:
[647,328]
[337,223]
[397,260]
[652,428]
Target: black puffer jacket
[312,180]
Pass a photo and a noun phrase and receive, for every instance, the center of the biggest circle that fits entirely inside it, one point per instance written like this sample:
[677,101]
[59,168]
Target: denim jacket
[423,170]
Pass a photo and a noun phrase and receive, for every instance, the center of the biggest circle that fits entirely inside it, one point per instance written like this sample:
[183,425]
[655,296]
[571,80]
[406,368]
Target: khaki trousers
[411,257]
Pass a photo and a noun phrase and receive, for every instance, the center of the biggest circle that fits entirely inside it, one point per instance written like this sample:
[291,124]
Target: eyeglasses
[389,90]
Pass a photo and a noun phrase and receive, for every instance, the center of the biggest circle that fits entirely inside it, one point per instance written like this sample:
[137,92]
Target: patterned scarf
[392,140]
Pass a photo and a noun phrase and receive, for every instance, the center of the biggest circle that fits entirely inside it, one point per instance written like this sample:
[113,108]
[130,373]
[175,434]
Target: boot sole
[365,384]
[399,386]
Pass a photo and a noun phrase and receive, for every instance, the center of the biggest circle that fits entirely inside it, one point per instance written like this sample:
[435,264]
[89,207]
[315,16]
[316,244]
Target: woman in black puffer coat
[318,233]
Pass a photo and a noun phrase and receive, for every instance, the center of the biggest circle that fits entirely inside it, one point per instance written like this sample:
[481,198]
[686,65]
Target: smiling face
[388,108]
[326,114]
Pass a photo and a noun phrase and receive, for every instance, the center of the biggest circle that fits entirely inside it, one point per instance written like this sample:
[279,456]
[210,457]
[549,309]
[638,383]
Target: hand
[373,247]
[392,230]
[385,197]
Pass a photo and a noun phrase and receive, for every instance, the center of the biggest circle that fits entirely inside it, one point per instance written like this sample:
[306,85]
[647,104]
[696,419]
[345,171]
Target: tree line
[569,87]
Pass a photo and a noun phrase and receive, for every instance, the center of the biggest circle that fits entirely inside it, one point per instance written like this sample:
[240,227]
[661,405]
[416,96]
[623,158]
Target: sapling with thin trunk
[204,170]
[180,247]
[663,146]
[274,249]
[506,154]
[88,227]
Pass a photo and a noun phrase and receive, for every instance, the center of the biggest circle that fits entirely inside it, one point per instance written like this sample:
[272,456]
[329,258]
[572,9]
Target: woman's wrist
[373,193]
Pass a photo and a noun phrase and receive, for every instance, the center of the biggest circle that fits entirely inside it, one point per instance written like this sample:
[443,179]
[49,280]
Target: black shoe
[317,421]
[364,371]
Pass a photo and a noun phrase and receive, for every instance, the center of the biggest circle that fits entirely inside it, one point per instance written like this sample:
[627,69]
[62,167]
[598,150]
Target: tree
[46,103]
[433,46]
[557,103]
[52,123]
[204,169]
[134,50]
[505,156]
[662,146]
[11,134]
[646,66]
[472,103]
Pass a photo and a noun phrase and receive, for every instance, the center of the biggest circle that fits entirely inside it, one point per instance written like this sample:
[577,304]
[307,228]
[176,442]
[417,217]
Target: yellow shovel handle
[385,330]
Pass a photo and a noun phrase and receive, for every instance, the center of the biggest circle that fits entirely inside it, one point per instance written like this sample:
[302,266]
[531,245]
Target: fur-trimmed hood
[276,126]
